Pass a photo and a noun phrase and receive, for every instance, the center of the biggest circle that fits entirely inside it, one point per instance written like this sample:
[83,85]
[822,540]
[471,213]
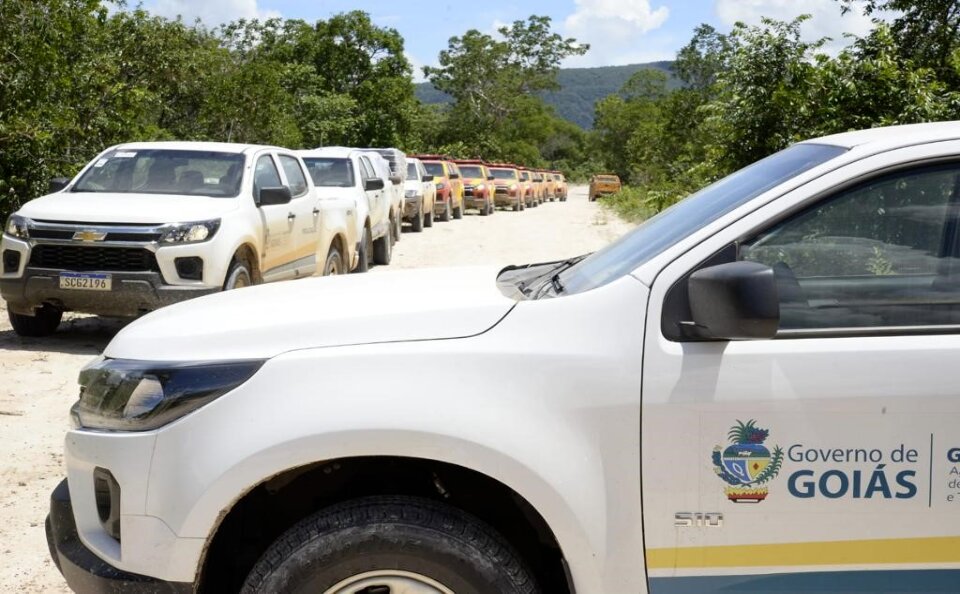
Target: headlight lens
[18,227]
[441,186]
[191,232]
[127,395]
[480,187]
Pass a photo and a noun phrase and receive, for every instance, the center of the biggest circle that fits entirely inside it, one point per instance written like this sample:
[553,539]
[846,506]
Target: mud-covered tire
[458,212]
[416,223]
[44,323]
[516,207]
[371,541]
[364,255]
[483,211]
[334,264]
[428,218]
[447,213]
[382,250]
[238,276]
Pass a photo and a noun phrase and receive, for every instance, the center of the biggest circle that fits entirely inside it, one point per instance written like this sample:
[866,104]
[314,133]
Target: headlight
[18,227]
[441,186]
[513,187]
[190,232]
[126,395]
[411,194]
[480,187]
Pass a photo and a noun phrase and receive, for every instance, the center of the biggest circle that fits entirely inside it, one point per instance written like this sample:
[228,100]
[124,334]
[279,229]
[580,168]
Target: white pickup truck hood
[264,321]
[155,209]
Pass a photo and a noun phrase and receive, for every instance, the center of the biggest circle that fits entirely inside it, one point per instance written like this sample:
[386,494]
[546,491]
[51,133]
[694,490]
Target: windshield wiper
[554,276]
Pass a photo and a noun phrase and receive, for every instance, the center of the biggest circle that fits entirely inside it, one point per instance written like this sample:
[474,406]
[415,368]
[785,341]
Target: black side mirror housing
[58,183]
[735,301]
[427,178]
[274,196]
[454,176]
[490,178]
[373,184]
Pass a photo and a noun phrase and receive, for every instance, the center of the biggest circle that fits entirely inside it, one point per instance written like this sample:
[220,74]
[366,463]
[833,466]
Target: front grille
[111,236]
[502,190]
[93,258]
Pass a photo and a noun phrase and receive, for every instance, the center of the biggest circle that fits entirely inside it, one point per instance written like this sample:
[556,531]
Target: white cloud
[615,30]
[826,21]
[417,66]
[210,12]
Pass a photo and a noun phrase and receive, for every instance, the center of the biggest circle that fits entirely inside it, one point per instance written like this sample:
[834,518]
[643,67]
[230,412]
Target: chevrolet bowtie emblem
[89,236]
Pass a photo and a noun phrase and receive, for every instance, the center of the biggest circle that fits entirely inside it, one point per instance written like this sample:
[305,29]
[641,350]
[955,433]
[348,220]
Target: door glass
[882,254]
[265,175]
[295,177]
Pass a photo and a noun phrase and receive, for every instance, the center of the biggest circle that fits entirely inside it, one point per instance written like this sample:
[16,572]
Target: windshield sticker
[124,155]
[101,163]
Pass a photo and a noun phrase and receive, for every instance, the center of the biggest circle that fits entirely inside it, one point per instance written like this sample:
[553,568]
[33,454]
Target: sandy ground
[38,376]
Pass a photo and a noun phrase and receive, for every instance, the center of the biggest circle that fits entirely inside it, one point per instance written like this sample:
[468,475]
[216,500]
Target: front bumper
[412,207]
[84,571]
[501,199]
[133,293]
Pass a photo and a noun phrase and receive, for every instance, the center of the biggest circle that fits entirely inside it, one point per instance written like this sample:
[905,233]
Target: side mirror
[427,178]
[735,301]
[373,184]
[58,183]
[490,178]
[274,196]
[454,176]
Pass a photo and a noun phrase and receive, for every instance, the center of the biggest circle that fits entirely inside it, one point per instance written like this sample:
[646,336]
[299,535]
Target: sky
[618,31]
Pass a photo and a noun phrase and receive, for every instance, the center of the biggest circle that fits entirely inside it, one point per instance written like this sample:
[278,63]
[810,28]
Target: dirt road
[38,376]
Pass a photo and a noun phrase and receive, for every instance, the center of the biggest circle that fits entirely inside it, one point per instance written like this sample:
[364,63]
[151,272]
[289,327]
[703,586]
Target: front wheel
[334,263]
[383,249]
[447,213]
[458,212]
[43,323]
[238,276]
[366,246]
[390,544]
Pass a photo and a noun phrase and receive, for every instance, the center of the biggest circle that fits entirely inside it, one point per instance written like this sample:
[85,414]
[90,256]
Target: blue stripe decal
[939,581]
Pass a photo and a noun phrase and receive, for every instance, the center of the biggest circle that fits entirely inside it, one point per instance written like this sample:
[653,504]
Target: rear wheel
[334,263]
[390,545]
[44,323]
[238,276]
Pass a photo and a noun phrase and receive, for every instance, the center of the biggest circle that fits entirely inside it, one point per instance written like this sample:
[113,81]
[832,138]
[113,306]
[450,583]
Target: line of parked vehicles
[144,225]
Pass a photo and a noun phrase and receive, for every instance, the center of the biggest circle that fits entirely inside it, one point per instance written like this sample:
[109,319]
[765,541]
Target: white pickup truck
[754,391]
[148,224]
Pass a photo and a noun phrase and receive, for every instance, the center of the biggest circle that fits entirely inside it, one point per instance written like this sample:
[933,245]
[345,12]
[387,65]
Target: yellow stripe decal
[851,552]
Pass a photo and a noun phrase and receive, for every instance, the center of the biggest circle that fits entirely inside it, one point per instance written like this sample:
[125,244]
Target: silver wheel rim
[333,267]
[395,580]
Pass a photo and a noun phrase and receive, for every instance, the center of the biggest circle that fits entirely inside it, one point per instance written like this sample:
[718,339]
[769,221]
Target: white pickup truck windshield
[164,171]
[687,216]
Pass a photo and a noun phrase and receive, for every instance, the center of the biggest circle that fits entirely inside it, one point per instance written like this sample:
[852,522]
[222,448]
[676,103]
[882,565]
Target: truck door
[306,224]
[375,198]
[808,462]
[277,221]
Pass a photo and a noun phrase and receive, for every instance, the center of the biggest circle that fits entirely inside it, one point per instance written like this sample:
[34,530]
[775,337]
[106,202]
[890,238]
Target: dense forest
[76,78]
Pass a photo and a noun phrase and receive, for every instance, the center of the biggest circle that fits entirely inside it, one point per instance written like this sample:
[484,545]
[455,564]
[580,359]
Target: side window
[294,173]
[265,175]
[366,170]
[881,254]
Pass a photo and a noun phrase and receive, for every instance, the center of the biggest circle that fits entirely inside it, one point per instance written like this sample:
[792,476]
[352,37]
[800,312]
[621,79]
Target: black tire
[334,264]
[447,213]
[483,211]
[395,229]
[366,246]
[516,207]
[458,212]
[44,323]
[382,250]
[416,223]
[337,547]
[428,218]
[238,276]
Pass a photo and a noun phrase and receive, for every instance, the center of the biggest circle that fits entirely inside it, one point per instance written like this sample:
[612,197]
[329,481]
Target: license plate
[85,282]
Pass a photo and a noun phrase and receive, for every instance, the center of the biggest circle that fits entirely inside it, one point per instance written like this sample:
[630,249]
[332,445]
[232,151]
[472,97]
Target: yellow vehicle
[526,187]
[549,186]
[449,185]
[603,184]
[562,187]
[540,186]
[477,186]
[507,191]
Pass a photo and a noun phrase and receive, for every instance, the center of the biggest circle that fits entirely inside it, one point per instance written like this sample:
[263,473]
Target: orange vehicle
[530,195]
[506,183]
[603,184]
[540,188]
[562,187]
[549,186]
[449,185]
[477,189]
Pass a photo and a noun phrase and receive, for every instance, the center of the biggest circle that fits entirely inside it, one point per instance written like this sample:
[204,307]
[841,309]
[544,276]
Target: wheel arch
[248,253]
[266,510]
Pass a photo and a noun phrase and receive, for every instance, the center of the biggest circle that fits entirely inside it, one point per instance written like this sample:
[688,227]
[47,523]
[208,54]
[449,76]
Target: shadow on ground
[77,335]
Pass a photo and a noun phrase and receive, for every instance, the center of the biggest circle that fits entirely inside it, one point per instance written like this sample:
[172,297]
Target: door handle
[316,212]
[291,216]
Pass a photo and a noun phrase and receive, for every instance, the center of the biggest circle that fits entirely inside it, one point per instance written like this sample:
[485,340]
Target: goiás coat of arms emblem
[746,465]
